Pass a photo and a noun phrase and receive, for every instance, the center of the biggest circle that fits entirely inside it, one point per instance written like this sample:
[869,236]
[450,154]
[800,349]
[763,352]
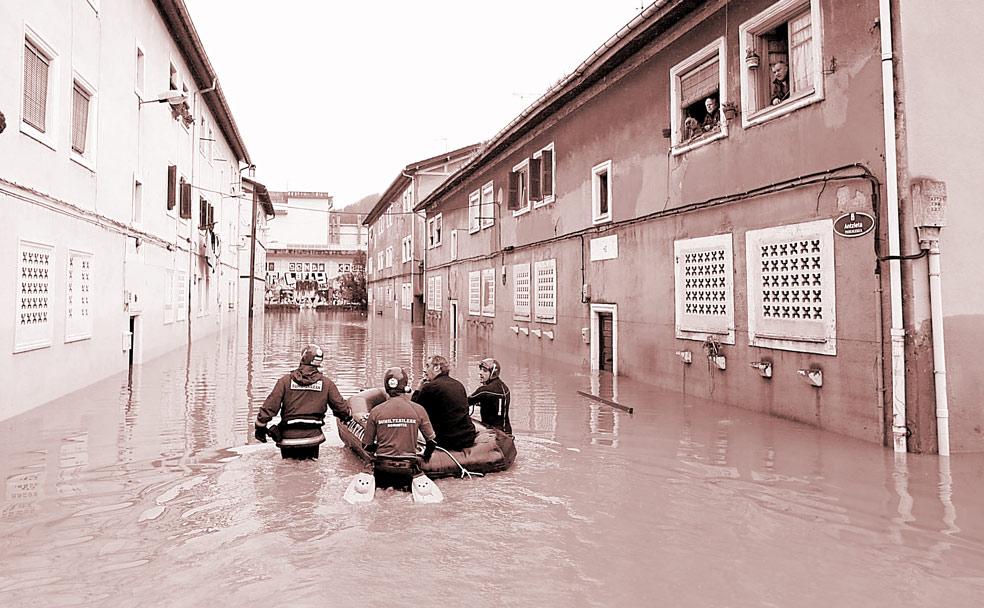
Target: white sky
[339,96]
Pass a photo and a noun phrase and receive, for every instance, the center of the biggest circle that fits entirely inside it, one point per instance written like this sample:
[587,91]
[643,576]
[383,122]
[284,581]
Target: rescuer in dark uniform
[302,397]
[492,397]
[391,434]
[446,402]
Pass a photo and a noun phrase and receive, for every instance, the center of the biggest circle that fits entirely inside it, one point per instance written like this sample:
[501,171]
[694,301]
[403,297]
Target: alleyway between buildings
[147,489]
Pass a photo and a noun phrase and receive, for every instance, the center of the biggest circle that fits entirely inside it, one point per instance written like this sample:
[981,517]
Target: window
[139,76]
[82,118]
[181,295]
[434,229]
[434,295]
[601,192]
[474,212]
[475,293]
[184,191]
[454,244]
[369,265]
[203,139]
[78,297]
[407,249]
[172,186]
[381,260]
[406,295]
[782,61]
[487,209]
[168,296]
[521,292]
[547,169]
[39,89]
[408,199]
[430,293]
[389,215]
[704,292]
[519,188]
[33,329]
[389,256]
[173,78]
[488,292]
[136,211]
[271,266]
[697,92]
[791,287]
[546,290]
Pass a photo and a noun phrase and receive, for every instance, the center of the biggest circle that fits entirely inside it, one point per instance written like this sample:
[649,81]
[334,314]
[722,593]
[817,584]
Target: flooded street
[149,490]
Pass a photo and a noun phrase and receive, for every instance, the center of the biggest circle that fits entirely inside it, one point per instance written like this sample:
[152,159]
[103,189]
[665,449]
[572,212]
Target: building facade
[399,239]
[704,204]
[311,246]
[120,188]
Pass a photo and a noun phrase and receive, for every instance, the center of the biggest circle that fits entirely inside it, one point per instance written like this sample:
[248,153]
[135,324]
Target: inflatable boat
[493,450]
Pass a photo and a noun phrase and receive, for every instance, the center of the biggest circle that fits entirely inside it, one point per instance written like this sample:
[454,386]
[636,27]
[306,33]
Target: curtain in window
[801,51]
[35,87]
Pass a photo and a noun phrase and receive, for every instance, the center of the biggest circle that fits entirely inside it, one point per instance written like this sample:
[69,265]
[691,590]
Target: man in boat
[446,403]
[391,434]
[492,397]
[302,397]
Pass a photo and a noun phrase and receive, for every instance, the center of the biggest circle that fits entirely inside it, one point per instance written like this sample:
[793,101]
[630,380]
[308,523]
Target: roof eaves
[262,194]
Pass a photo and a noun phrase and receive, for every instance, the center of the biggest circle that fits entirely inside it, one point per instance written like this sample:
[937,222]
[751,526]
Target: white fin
[426,491]
[362,488]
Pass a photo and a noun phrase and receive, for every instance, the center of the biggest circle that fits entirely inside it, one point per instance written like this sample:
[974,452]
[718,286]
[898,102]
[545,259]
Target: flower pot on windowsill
[751,59]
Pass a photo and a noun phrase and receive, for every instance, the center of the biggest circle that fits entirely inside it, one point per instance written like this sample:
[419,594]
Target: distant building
[120,189]
[399,239]
[310,247]
[704,204]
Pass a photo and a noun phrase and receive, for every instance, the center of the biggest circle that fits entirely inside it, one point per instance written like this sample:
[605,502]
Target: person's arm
[272,404]
[338,406]
[369,438]
[427,430]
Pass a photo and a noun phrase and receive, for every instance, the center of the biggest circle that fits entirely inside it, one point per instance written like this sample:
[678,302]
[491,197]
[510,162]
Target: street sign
[855,223]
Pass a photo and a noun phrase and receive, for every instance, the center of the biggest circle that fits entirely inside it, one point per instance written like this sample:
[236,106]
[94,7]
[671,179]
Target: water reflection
[150,482]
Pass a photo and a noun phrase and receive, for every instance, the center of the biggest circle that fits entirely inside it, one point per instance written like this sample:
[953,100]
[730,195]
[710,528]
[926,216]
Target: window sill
[522,211]
[605,219]
[790,105]
[474,230]
[703,140]
[487,226]
[70,339]
[23,348]
[818,346]
[724,337]
[83,161]
[42,138]
[546,201]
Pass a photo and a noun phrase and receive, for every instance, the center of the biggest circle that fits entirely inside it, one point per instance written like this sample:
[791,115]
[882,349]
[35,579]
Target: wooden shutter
[513,203]
[546,172]
[185,211]
[210,217]
[172,185]
[535,177]
[202,213]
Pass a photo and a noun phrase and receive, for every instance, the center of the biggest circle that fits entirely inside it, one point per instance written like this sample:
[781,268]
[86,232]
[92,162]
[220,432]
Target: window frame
[49,135]
[431,222]
[546,200]
[475,211]
[687,326]
[780,12]
[86,158]
[483,220]
[714,50]
[524,168]
[488,291]
[601,168]
[475,293]
[139,70]
[407,249]
[136,202]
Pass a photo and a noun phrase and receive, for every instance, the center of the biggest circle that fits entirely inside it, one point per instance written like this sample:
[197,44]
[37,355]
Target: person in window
[712,120]
[780,83]
[446,403]
[492,397]
[391,434]
[302,398]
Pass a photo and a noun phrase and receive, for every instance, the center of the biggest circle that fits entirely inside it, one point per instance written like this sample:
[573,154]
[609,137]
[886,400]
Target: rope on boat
[464,471]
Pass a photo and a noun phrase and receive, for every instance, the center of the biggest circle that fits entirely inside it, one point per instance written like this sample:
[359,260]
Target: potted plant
[751,58]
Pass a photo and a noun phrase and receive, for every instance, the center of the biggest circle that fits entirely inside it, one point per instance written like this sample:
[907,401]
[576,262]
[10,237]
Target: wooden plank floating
[614,404]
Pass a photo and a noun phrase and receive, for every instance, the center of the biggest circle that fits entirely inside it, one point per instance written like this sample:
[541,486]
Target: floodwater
[147,489]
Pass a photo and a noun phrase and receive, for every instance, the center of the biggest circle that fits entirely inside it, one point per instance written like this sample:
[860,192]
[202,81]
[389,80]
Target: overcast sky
[339,96]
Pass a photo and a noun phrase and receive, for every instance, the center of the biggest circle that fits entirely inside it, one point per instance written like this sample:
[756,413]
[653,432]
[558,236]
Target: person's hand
[345,417]
[260,433]
[372,447]
[428,450]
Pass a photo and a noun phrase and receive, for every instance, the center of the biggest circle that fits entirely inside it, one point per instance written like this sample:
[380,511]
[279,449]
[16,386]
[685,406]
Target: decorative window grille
[36,67]
[78,305]
[704,295]
[545,273]
[181,295]
[521,292]
[475,293]
[438,293]
[791,287]
[33,329]
[488,292]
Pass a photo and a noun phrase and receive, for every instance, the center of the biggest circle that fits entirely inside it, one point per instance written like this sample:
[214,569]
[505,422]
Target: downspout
[899,426]
[939,354]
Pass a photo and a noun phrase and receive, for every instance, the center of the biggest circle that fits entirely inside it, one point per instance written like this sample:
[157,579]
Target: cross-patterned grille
[705,282]
[792,286]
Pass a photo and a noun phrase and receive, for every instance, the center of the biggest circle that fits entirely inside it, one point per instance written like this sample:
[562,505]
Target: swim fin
[425,491]
[362,488]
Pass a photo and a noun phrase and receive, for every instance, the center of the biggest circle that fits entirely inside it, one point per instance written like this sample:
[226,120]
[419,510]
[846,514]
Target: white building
[119,192]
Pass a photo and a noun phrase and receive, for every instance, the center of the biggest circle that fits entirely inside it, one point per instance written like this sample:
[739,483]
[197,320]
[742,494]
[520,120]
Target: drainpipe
[939,354]
[899,428]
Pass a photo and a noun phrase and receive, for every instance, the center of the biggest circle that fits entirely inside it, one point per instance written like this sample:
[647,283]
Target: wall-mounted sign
[854,224]
[604,248]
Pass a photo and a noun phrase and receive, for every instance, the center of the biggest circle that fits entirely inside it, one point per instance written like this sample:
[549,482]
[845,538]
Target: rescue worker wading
[492,397]
[302,397]
[391,434]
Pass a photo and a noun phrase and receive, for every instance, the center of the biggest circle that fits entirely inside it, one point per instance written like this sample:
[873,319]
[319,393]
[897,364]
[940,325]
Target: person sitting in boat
[492,397]
[446,402]
[302,398]
[391,434]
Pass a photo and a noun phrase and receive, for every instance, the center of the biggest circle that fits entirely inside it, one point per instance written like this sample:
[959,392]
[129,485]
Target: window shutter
[80,118]
[210,216]
[546,172]
[35,88]
[202,213]
[513,204]
[545,275]
[475,292]
[185,211]
[172,185]
[700,83]
[535,193]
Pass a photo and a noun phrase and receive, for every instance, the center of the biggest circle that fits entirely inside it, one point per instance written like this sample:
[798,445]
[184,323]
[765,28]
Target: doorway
[604,338]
